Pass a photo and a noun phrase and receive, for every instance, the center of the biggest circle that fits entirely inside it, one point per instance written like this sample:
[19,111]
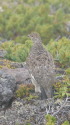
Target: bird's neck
[37,48]
[37,45]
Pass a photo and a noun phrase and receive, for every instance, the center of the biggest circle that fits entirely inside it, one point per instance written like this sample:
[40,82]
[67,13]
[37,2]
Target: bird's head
[35,37]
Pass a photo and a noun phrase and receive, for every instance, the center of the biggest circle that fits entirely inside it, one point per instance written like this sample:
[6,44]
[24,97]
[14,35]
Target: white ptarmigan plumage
[41,66]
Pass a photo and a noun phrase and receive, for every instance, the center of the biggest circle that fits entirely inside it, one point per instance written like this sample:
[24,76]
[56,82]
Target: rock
[10,64]
[9,80]
[16,65]
[7,88]
[21,113]
[62,110]
[63,115]
[2,53]
[21,75]
[17,70]
[1,72]
[69,115]
[33,112]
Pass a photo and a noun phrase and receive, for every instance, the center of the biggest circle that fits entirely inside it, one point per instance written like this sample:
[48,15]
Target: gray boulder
[2,53]
[21,75]
[7,88]
[23,112]
[9,80]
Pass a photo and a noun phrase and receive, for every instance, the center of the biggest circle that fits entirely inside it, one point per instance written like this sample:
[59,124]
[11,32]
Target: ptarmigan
[41,66]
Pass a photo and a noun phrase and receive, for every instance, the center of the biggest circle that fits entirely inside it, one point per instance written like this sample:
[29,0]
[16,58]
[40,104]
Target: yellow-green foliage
[1,67]
[31,96]
[66,123]
[24,90]
[29,16]
[67,71]
[28,124]
[6,64]
[51,120]
[57,85]
[7,44]
[17,52]
[60,50]
[63,88]
[33,15]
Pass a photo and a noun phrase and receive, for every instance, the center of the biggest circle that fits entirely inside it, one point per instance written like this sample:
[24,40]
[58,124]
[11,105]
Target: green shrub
[66,123]
[31,96]
[67,71]
[61,51]
[62,88]
[24,90]
[31,16]
[17,52]
[28,124]
[51,120]
[21,39]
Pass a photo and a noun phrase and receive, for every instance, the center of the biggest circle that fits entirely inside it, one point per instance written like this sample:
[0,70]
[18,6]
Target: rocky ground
[15,111]
[21,113]
[33,112]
